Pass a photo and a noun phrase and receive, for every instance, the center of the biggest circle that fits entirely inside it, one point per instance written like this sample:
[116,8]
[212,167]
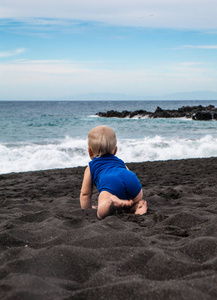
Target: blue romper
[110,174]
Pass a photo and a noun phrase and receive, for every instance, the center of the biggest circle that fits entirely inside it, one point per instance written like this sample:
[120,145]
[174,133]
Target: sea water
[40,135]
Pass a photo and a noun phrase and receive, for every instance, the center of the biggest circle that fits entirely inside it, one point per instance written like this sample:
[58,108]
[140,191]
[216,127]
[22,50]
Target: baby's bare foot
[119,203]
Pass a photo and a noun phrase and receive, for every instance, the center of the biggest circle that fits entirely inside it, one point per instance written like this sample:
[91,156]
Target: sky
[63,49]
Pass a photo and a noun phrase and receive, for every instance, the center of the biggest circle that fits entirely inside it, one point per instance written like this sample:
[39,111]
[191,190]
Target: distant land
[203,95]
[197,95]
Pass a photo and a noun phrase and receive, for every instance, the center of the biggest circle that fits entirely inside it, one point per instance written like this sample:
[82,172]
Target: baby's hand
[94,207]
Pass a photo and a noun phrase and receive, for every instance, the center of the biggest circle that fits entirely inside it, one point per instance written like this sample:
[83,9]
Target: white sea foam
[30,157]
[159,148]
[71,152]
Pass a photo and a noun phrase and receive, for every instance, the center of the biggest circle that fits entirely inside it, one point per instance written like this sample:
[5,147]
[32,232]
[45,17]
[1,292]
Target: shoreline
[51,249]
[127,163]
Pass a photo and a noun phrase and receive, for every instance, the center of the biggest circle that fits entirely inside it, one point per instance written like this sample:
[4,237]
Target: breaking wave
[67,153]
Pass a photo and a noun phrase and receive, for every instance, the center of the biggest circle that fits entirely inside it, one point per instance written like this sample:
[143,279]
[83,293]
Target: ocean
[41,135]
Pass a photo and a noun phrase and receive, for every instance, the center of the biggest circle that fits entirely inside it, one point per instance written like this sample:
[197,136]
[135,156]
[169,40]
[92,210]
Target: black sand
[51,249]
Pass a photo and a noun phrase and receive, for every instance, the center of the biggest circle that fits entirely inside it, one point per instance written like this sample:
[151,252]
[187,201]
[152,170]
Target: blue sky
[63,49]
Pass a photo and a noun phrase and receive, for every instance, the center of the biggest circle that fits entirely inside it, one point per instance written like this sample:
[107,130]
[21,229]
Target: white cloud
[191,69]
[12,53]
[201,46]
[191,14]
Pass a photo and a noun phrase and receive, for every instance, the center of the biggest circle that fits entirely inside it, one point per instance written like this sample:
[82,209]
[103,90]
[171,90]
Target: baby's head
[101,140]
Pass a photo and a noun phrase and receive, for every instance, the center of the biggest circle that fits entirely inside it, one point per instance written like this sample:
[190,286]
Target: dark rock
[202,116]
[114,114]
[195,112]
[158,109]
[123,114]
[185,109]
[141,113]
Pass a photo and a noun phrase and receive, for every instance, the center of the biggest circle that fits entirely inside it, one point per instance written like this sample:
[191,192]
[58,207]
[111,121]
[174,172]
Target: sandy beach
[51,249]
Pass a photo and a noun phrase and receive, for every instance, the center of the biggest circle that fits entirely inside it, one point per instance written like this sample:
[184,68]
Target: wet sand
[51,249]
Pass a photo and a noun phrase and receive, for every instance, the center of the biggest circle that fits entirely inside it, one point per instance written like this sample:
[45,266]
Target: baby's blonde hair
[102,140]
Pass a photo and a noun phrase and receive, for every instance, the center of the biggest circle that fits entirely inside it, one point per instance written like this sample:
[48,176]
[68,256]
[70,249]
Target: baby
[119,188]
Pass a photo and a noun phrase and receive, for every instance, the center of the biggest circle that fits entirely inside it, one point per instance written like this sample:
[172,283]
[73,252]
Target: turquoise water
[46,135]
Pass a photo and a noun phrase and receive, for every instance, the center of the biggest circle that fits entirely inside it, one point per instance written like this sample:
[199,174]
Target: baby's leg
[140,205]
[108,203]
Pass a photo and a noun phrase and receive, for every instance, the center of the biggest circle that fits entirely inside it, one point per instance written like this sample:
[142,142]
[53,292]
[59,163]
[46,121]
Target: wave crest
[21,157]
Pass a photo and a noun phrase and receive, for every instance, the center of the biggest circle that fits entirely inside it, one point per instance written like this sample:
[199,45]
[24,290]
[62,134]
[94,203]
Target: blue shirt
[110,174]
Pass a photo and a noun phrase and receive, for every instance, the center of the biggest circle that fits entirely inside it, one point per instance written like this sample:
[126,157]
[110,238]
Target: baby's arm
[86,190]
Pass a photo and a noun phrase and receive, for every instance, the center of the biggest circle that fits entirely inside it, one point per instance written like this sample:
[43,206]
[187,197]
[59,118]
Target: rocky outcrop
[195,112]
[123,114]
[204,115]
